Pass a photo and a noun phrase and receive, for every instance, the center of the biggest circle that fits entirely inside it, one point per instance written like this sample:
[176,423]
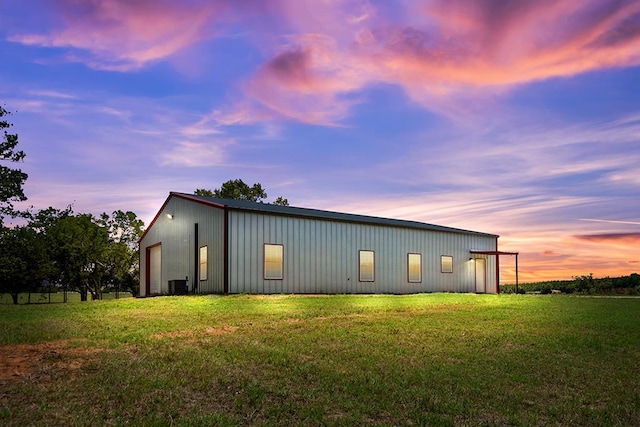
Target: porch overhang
[497,255]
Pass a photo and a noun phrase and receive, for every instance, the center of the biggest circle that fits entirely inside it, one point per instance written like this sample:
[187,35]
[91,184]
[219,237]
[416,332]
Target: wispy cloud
[122,35]
[193,154]
[628,238]
[51,94]
[609,221]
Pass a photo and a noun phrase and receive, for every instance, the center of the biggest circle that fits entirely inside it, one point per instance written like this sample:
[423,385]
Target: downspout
[196,257]
[516,273]
[497,268]
[225,251]
[139,271]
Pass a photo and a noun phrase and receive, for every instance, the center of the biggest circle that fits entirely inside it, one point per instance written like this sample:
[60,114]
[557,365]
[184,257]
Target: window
[203,263]
[414,268]
[446,262]
[273,261]
[367,266]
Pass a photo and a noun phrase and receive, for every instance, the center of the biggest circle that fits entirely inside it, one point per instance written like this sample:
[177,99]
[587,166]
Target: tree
[87,253]
[281,201]
[11,180]
[46,218]
[23,264]
[203,192]
[78,246]
[121,256]
[237,189]
[76,251]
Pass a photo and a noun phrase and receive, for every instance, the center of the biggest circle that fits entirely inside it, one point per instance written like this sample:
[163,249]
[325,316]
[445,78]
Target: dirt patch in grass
[25,360]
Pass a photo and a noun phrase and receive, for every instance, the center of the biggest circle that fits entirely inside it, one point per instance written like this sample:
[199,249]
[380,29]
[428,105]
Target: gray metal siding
[179,253]
[321,256]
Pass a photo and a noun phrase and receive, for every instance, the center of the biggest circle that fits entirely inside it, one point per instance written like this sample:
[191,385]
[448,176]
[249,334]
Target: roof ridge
[270,208]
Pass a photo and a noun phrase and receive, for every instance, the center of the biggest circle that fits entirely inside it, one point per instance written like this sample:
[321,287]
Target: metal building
[208,245]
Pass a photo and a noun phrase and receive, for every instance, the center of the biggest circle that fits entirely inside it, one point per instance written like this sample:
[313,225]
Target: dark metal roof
[243,205]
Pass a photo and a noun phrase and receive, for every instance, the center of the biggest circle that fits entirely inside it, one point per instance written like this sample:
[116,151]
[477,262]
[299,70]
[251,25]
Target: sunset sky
[518,118]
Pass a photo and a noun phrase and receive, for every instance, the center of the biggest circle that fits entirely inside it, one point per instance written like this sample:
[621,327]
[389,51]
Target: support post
[497,273]
[516,273]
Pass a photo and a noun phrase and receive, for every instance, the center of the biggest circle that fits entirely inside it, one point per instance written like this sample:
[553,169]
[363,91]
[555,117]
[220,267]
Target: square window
[446,262]
[367,266]
[273,261]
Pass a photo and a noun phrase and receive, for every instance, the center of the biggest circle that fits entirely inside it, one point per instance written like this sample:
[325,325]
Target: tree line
[585,284]
[237,189]
[63,250]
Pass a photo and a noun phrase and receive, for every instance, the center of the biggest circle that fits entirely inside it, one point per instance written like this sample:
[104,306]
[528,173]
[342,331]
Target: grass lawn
[432,359]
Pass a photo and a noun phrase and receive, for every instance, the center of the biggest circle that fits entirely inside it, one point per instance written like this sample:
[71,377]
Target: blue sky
[515,118]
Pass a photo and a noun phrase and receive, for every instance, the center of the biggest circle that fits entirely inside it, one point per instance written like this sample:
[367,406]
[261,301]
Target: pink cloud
[620,238]
[308,80]
[337,18]
[312,74]
[446,55]
[496,43]
[125,35]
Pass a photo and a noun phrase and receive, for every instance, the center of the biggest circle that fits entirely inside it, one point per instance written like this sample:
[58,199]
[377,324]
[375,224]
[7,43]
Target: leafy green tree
[584,283]
[11,180]
[203,192]
[87,253]
[78,248]
[76,251]
[237,189]
[24,264]
[281,201]
[121,257]
[46,218]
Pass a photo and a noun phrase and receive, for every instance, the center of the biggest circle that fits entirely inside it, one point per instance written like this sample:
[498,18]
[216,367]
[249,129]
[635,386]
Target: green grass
[435,359]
